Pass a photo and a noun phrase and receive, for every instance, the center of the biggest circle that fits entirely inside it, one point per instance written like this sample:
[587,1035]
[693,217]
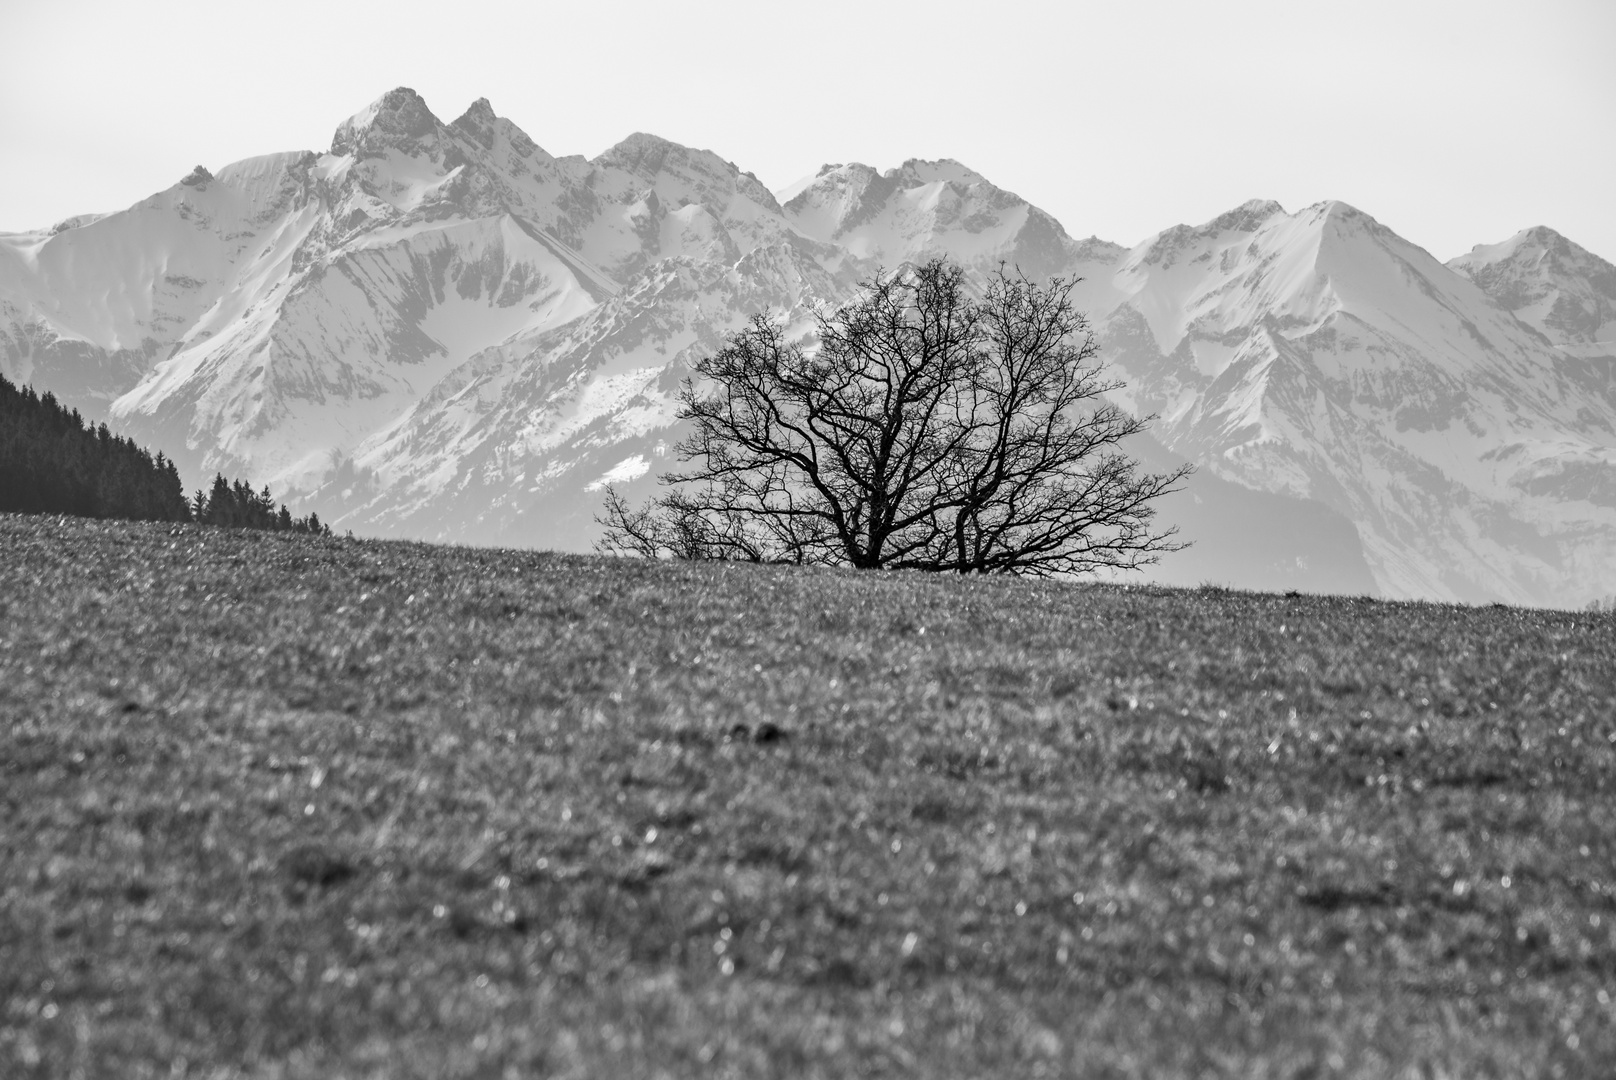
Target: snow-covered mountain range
[442,331]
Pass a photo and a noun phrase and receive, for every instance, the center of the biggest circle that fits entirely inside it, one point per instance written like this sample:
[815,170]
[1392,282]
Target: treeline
[52,462]
[234,504]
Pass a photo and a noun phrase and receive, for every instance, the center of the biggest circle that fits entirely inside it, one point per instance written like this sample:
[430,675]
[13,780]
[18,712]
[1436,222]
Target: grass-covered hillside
[283,806]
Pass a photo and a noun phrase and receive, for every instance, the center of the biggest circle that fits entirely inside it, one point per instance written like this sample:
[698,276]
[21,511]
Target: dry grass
[275,806]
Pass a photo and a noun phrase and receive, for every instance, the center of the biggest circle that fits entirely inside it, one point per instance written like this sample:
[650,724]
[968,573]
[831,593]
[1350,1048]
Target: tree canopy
[923,425]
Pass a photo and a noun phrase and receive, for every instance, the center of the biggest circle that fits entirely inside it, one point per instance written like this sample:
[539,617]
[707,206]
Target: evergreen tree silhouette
[52,462]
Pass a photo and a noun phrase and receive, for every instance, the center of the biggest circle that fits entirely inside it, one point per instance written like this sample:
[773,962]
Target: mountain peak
[1533,245]
[479,111]
[1542,234]
[706,175]
[1553,283]
[1555,245]
[398,117]
[439,332]
[1342,219]
[1247,217]
[641,153]
[1095,250]
[1166,246]
[1336,210]
[483,126]
[926,172]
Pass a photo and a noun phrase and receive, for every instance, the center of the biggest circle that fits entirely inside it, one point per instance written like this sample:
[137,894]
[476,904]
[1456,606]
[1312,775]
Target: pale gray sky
[1454,123]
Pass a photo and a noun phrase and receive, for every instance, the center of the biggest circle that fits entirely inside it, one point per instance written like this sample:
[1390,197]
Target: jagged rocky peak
[1165,247]
[1249,216]
[197,177]
[953,180]
[480,111]
[396,120]
[830,179]
[905,212]
[702,173]
[1539,249]
[1564,290]
[648,156]
[870,184]
[642,154]
[1095,250]
[917,171]
[786,194]
[1332,217]
[1548,240]
[480,124]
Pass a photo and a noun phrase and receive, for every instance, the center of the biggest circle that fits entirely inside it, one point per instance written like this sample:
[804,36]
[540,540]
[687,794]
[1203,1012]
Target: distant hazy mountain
[441,331]
[1320,355]
[1564,292]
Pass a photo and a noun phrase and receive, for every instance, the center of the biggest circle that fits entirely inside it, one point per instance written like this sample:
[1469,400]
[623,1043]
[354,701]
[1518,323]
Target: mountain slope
[1565,292]
[443,331]
[271,317]
[1320,355]
[89,307]
[535,427]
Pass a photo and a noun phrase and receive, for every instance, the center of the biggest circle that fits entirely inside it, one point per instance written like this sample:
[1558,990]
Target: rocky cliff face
[442,331]
[1566,293]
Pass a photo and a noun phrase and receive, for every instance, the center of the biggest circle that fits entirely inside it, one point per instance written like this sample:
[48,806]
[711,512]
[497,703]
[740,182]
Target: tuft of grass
[280,806]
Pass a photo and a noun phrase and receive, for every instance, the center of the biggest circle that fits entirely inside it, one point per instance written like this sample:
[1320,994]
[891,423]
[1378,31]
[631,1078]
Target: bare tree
[925,428]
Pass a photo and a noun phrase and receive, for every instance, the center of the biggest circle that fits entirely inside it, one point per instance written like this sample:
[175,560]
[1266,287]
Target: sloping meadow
[275,805]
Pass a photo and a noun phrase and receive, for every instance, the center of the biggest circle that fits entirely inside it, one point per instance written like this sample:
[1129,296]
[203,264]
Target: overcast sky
[1454,123]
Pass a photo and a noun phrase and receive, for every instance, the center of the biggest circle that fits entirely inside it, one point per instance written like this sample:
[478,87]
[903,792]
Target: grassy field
[275,806]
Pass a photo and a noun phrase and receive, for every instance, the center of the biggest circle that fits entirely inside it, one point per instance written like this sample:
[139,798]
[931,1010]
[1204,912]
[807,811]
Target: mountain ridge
[442,330]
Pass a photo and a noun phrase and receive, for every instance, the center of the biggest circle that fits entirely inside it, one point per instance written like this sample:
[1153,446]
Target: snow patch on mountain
[1319,355]
[444,331]
[1565,292]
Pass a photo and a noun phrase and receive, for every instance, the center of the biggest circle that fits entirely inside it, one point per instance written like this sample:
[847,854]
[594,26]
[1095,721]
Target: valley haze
[440,331]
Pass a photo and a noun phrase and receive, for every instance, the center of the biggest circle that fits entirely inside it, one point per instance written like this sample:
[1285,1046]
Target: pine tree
[51,461]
